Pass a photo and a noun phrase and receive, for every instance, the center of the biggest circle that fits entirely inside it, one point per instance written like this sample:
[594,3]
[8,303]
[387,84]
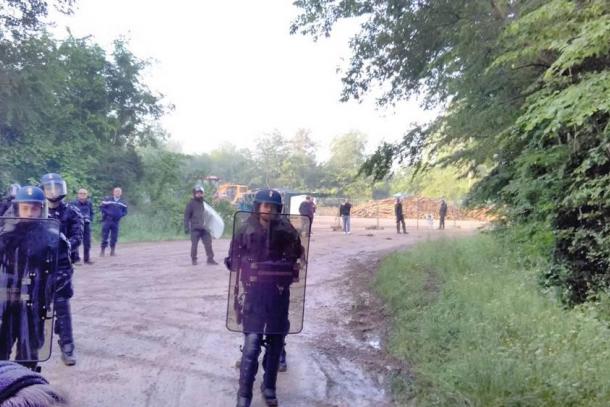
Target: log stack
[414,207]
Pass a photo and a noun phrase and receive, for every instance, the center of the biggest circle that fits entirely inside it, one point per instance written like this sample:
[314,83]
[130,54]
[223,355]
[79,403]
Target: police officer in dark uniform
[266,240]
[28,264]
[6,201]
[84,205]
[113,209]
[71,221]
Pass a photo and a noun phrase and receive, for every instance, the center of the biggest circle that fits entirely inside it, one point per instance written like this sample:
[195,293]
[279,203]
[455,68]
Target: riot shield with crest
[268,273]
[28,262]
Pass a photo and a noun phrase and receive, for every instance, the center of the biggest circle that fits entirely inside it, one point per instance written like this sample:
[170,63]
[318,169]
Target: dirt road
[150,331]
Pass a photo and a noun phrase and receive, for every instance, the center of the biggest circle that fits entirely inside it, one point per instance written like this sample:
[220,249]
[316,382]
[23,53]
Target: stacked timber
[417,207]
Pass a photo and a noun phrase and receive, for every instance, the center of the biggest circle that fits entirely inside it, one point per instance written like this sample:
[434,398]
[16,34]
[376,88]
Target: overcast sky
[234,72]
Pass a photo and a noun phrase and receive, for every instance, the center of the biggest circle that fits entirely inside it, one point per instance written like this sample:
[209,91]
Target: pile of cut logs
[414,207]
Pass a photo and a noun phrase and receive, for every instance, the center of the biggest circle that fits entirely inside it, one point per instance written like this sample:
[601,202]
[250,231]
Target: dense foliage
[526,91]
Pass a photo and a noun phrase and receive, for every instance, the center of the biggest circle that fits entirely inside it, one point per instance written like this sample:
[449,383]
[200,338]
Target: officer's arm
[187,217]
[123,209]
[91,216]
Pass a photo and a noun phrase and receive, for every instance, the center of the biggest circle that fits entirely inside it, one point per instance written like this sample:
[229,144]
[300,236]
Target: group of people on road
[346,207]
[22,232]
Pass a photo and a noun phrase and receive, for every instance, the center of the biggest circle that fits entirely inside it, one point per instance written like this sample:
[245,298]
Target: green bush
[471,320]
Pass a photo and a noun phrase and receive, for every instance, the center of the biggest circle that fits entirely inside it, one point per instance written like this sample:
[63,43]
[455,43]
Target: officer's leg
[8,332]
[194,242]
[404,227]
[283,362]
[207,243]
[105,233]
[398,225]
[249,366]
[114,236]
[63,325]
[86,242]
[271,364]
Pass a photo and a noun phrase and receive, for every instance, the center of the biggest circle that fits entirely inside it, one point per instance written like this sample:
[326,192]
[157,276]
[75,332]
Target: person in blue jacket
[84,205]
[113,209]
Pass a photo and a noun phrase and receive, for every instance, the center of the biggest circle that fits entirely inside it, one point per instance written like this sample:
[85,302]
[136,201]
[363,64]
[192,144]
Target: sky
[234,73]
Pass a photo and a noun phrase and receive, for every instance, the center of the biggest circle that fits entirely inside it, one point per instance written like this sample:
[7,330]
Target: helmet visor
[55,189]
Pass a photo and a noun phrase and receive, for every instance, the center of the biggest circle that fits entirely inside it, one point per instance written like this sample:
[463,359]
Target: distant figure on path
[113,209]
[344,212]
[400,217]
[442,213]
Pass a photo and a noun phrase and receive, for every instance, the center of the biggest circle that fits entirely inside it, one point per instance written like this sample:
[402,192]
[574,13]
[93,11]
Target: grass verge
[473,324]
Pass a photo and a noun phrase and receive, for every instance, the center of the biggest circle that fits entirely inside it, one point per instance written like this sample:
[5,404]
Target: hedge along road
[150,328]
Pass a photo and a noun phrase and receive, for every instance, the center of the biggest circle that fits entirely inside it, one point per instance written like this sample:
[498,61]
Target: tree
[526,90]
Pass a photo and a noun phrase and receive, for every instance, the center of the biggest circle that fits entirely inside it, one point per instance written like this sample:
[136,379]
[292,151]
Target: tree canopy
[524,86]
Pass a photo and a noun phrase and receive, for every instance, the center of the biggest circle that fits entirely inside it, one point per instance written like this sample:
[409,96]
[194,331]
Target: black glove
[186,231]
[228,262]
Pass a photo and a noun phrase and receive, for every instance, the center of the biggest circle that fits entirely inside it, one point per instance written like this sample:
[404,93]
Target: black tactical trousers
[249,361]
[206,238]
[400,221]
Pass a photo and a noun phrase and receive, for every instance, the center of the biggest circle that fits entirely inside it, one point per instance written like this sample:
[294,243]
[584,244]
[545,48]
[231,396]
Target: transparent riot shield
[268,273]
[28,261]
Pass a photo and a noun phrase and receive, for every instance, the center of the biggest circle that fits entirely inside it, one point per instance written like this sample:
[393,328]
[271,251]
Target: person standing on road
[344,212]
[113,209]
[84,205]
[71,226]
[307,208]
[7,201]
[400,217]
[194,224]
[266,239]
[442,213]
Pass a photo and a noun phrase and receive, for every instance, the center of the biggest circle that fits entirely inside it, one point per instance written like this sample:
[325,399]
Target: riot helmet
[54,187]
[270,196]
[29,202]
[12,190]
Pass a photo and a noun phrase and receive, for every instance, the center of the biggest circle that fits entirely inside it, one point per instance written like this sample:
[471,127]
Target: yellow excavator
[231,192]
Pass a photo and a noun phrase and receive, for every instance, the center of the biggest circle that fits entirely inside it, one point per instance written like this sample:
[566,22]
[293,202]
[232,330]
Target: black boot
[67,354]
[249,364]
[103,252]
[112,252]
[212,262]
[243,401]
[269,396]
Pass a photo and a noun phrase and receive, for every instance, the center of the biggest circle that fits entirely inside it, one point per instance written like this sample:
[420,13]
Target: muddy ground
[150,327]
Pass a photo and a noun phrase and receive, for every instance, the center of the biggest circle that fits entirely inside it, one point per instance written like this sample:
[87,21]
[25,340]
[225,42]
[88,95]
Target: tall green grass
[475,328]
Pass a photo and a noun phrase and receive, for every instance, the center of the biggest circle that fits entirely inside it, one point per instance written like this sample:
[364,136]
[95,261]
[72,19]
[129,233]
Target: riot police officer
[71,221]
[264,253]
[29,245]
[113,209]
[6,202]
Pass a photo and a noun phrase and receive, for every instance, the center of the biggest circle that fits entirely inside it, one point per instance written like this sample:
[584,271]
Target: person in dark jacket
[28,252]
[84,205]
[344,212]
[400,217]
[264,238]
[7,201]
[194,224]
[307,208]
[71,226]
[113,209]
[442,214]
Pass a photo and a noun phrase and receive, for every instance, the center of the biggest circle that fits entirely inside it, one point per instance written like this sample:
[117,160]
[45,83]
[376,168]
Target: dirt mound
[418,207]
